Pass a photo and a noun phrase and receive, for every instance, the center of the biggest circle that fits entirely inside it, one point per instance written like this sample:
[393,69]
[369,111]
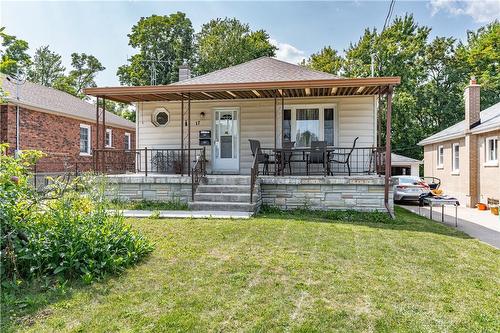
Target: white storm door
[226,140]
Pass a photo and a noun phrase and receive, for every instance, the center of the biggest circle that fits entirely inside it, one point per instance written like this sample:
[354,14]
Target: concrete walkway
[478,224]
[201,214]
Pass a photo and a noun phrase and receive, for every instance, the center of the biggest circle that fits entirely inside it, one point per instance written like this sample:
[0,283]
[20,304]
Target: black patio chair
[346,158]
[262,158]
[287,155]
[317,155]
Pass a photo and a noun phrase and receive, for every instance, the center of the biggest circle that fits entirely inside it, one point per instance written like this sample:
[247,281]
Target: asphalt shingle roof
[395,158]
[35,95]
[262,69]
[490,120]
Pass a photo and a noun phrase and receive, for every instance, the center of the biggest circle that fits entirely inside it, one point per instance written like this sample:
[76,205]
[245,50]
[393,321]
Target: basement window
[492,151]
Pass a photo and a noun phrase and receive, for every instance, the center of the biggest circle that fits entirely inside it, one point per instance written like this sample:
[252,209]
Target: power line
[389,14]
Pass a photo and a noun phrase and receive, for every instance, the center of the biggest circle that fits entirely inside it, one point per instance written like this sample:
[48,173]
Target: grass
[174,204]
[282,272]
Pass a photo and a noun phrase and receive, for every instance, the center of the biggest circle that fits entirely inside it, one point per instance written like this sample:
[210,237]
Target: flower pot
[481,206]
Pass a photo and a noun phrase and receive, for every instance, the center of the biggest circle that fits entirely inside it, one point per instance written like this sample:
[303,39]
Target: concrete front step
[223,197]
[202,188]
[222,206]
[228,180]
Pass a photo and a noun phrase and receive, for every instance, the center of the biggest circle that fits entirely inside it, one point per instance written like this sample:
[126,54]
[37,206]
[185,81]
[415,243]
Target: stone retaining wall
[365,193]
[153,187]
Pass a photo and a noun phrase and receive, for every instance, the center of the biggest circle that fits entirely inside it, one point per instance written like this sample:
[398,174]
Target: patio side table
[441,202]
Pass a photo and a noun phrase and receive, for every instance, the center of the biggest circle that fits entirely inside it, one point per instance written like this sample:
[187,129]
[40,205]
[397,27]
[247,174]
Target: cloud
[287,52]
[481,11]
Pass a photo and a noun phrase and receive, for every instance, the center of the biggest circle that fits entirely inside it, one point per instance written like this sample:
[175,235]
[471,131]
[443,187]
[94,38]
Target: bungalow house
[264,131]
[61,125]
[465,156]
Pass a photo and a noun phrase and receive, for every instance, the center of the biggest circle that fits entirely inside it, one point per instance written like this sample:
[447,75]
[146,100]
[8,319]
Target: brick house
[465,156]
[60,125]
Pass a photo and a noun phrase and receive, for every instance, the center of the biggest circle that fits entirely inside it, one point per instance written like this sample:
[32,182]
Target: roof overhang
[248,90]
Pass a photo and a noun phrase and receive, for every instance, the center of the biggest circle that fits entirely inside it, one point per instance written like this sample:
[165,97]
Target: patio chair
[287,155]
[346,157]
[317,155]
[262,158]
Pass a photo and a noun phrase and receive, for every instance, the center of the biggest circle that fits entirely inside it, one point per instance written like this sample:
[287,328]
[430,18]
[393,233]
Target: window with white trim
[440,156]
[305,123]
[127,141]
[455,157]
[109,138]
[85,139]
[492,150]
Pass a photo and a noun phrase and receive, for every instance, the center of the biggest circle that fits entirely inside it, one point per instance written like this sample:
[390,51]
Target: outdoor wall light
[202,115]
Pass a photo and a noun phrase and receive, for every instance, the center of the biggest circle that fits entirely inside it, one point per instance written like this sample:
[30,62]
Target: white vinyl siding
[355,117]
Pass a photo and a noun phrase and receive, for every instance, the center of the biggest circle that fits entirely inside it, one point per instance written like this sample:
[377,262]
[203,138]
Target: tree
[46,68]
[480,57]
[327,60]
[227,42]
[84,70]
[164,42]
[400,50]
[13,55]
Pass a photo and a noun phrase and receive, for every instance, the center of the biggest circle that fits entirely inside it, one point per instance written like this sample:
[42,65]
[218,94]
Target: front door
[226,140]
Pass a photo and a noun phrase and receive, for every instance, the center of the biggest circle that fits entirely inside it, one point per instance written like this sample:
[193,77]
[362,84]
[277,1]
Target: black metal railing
[328,162]
[146,160]
[198,172]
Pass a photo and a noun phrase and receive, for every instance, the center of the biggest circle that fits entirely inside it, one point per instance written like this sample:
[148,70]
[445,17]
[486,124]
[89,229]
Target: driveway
[478,224]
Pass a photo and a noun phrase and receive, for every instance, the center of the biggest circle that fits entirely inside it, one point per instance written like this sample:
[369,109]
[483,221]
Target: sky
[298,28]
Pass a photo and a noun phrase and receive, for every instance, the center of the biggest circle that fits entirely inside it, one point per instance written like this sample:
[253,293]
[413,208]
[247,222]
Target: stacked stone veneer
[364,193]
[152,187]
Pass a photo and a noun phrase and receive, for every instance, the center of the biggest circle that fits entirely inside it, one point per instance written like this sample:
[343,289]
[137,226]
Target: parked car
[409,188]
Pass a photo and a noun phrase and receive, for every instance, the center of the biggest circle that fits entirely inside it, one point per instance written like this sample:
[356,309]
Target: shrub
[65,231]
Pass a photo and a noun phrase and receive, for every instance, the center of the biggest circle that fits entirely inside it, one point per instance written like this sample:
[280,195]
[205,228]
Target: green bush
[64,231]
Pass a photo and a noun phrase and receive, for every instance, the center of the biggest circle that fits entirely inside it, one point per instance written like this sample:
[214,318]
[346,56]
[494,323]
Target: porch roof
[260,78]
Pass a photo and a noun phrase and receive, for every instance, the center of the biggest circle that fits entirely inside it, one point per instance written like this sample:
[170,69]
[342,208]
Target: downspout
[388,151]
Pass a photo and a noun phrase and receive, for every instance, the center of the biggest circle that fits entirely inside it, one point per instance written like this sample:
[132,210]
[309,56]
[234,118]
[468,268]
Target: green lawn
[282,273]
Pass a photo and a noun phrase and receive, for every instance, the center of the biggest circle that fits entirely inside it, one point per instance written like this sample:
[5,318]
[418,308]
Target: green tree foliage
[13,54]
[166,41]
[480,57]
[327,60]
[46,68]
[227,42]
[120,109]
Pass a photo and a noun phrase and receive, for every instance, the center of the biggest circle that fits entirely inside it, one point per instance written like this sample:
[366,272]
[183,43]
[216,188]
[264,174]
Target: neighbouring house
[403,165]
[465,156]
[59,124]
[262,132]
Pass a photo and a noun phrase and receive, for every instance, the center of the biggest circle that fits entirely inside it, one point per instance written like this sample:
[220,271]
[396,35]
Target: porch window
[455,157]
[85,139]
[307,127]
[109,138]
[127,141]
[306,123]
[492,150]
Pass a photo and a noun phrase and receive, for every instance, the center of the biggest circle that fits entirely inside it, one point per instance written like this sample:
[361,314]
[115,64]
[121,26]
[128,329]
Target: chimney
[472,104]
[184,72]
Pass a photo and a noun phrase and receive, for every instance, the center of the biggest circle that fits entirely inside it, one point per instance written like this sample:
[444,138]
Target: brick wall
[55,135]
